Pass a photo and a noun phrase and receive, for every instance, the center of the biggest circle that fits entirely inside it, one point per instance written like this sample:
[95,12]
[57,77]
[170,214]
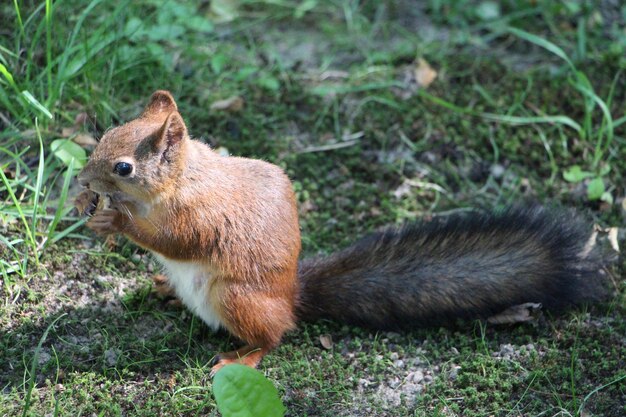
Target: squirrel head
[143,158]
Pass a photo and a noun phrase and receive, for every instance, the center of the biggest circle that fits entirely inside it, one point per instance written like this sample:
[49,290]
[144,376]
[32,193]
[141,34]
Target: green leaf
[241,391]
[218,61]
[607,197]
[165,32]
[199,24]
[269,82]
[244,73]
[304,7]
[576,174]
[488,10]
[134,29]
[66,150]
[595,189]
[225,10]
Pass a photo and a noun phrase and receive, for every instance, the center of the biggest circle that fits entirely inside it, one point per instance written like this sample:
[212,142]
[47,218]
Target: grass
[526,92]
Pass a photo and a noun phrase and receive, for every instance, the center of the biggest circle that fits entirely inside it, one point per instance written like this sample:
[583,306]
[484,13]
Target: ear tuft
[161,101]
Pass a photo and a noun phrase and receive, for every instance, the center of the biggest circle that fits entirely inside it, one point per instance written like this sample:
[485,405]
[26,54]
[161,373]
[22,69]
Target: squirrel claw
[247,355]
[103,221]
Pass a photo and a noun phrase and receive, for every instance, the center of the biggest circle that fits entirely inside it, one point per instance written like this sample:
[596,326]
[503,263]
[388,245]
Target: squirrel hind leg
[163,289]
[254,316]
[248,355]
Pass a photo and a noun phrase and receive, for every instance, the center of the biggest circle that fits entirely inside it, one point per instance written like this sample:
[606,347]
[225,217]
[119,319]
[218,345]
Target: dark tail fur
[461,266]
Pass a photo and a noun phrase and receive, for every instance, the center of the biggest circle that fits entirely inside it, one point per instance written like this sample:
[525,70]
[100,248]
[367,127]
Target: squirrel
[225,229]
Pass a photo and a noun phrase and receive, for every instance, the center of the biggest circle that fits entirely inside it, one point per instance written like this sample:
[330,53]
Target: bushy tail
[461,266]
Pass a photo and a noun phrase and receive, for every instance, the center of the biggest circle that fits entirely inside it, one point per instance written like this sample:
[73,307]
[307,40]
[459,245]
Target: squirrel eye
[123,169]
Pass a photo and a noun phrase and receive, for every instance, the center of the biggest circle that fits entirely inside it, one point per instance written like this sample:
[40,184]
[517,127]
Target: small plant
[241,391]
[602,135]
[30,192]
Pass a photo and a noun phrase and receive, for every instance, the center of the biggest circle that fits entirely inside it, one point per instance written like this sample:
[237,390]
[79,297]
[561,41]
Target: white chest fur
[191,282]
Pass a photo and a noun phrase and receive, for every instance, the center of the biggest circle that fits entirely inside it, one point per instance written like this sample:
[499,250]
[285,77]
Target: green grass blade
[514,120]
[69,229]
[521,120]
[36,104]
[33,366]
[545,44]
[8,76]
[51,97]
[61,210]
[38,186]
[20,24]
[20,212]
[619,122]
[607,128]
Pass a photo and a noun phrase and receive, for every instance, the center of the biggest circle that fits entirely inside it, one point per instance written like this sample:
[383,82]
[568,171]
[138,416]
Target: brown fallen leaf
[231,104]
[81,118]
[66,132]
[516,314]
[327,341]
[613,238]
[85,140]
[424,73]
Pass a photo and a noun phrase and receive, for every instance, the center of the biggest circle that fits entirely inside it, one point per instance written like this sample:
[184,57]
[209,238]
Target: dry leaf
[403,190]
[424,73]
[613,238]
[327,341]
[85,140]
[231,104]
[516,314]
[9,173]
[222,151]
[66,132]
[81,118]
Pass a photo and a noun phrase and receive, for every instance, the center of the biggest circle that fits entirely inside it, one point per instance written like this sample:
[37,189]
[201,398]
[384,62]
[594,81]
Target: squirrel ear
[161,101]
[172,132]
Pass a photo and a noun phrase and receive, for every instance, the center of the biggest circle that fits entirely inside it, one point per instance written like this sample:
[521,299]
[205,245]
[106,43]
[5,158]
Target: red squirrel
[225,230]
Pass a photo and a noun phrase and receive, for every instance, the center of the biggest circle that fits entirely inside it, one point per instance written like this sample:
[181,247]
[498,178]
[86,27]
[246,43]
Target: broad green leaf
[225,10]
[66,150]
[241,391]
[244,73]
[304,7]
[576,174]
[595,189]
[169,32]
[199,24]
[269,82]
[488,10]
[134,29]
[607,197]
[218,61]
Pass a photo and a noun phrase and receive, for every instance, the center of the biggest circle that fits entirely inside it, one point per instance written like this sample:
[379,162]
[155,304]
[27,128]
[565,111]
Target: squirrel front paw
[86,203]
[105,221]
